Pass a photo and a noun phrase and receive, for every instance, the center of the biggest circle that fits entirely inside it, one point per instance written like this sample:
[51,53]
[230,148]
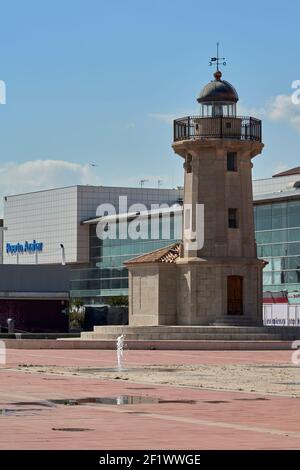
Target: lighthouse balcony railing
[224,127]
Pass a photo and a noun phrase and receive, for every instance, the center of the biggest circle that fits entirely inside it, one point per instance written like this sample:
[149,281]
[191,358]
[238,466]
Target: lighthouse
[215,277]
[221,281]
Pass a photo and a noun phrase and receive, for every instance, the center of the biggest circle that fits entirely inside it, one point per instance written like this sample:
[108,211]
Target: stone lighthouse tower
[219,277]
[215,277]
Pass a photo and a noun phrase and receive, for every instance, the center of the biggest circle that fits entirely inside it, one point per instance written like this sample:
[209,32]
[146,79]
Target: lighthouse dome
[219,91]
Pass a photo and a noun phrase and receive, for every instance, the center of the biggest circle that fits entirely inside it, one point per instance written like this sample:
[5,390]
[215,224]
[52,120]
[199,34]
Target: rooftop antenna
[217,60]
[142,182]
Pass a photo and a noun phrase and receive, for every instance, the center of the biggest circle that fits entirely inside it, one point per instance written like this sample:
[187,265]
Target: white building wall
[49,217]
[54,216]
[272,185]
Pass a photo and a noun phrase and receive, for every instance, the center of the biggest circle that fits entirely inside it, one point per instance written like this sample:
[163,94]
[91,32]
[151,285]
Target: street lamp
[63,256]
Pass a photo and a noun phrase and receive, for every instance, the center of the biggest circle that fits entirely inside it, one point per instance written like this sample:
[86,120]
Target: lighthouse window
[232,218]
[231,161]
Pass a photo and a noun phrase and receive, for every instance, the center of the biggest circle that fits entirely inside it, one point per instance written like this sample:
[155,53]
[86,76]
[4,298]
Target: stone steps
[204,337]
[200,333]
[187,329]
[232,321]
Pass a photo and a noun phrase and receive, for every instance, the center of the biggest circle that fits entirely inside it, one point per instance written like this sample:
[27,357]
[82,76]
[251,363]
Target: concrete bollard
[11,325]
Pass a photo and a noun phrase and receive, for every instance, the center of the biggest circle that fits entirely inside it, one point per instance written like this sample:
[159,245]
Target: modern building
[35,298]
[67,216]
[277,225]
[59,226]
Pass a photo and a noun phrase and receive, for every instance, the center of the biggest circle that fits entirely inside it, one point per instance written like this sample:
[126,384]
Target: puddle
[288,383]
[187,402]
[140,388]
[19,412]
[104,369]
[252,399]
[215,402]
[32,403]
[72,429]
[119,400]
[54,378]
[274,366]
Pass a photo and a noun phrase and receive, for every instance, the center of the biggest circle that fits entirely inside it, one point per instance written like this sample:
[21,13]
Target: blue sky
[99,81]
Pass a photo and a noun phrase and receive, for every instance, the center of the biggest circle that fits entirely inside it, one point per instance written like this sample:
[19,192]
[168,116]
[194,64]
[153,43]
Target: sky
[94,81]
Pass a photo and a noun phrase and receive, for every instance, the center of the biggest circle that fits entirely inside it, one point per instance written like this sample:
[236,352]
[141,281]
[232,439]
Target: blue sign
[26,247]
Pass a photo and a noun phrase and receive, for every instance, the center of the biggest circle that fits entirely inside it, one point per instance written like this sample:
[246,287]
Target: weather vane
[217,60]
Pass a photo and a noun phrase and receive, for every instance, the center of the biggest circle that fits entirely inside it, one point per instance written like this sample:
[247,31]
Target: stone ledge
[214,345]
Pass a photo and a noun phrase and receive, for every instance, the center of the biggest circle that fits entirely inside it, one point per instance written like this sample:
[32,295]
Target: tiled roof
[167,254]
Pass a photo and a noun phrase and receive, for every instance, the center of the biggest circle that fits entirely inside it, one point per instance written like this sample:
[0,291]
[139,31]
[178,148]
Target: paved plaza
[51,399]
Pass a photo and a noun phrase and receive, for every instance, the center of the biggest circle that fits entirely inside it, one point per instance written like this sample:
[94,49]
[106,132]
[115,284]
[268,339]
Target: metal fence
[225,127]
[281,314]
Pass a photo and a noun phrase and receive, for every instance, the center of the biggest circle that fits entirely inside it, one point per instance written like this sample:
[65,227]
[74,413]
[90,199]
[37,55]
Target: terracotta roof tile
[167,254]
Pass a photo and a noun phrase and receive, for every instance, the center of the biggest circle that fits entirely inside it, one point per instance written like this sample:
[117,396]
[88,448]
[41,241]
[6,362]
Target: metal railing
[225,127]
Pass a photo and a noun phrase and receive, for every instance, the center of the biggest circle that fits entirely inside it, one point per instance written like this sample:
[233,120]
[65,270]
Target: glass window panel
[260,251]
[294,235]
[278,277]
[124,283]
[116,284]
[264,217]
[105,284]
[279,215]
[231,161]
[293,249]
[280,249]
[266,250]
[255,217]
[293,262]
[279,236]
[263,237]
[292,277]
[294,214]
[267,278]
[232,218]
[276,264]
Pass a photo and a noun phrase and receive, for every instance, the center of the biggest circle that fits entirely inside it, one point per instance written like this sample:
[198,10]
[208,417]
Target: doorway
[235,295]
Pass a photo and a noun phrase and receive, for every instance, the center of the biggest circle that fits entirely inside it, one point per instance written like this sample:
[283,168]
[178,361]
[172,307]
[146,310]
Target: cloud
[244,110]
[277,108]
[282,108]
[35,175]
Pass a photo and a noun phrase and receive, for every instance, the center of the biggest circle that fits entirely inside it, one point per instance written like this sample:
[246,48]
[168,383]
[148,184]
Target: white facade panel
[47,217]
[54,217]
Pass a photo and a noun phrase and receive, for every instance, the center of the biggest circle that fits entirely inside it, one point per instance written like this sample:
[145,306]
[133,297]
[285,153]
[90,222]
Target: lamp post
[63,255]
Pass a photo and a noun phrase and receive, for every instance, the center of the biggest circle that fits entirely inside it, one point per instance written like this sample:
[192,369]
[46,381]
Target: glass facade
[277,227]
[105,275]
